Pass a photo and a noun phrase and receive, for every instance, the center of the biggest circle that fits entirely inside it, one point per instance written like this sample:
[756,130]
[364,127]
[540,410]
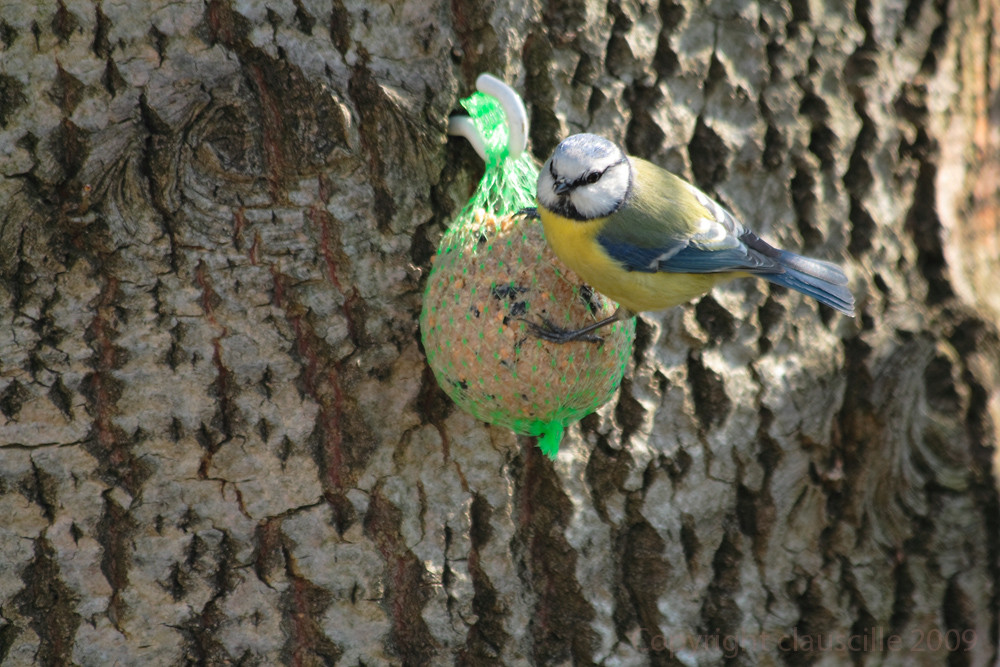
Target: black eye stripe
[596,175]
[588,178]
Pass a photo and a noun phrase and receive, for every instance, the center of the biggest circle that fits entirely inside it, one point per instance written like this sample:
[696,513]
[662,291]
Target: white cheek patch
[602,198]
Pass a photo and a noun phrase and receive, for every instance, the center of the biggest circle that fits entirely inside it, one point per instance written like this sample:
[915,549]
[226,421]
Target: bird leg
[550,332]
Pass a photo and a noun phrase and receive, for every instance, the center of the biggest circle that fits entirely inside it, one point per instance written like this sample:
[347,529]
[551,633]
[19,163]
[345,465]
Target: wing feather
[669,225]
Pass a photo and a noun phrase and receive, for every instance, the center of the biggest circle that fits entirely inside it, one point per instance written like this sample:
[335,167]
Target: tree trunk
[221,442]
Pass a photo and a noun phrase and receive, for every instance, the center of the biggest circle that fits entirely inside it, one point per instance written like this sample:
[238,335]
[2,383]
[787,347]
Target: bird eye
[592,177]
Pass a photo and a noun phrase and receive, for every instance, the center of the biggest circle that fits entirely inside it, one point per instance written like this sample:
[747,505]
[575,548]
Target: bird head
[587,177]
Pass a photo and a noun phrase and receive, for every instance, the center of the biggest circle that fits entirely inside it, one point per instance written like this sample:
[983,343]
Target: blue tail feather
[821,280]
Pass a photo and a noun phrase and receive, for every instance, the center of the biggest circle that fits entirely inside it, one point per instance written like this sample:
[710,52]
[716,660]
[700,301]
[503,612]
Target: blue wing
[690,233]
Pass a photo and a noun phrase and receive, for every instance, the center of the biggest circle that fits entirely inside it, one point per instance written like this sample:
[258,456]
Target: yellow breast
[575,243]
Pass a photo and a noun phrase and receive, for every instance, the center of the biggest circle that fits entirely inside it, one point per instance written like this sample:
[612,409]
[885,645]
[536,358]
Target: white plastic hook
[514,112]
[462,126]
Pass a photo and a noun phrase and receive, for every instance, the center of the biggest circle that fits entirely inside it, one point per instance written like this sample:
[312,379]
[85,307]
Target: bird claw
[530,212]
[550,332]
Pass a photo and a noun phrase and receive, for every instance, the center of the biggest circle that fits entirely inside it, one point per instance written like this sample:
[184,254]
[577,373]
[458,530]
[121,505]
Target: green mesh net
[494,272]
[508,185]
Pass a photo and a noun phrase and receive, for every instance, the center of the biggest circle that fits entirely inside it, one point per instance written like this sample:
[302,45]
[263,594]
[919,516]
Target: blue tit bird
[650,240]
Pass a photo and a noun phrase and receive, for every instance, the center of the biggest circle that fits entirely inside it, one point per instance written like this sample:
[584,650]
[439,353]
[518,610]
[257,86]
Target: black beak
[561,187]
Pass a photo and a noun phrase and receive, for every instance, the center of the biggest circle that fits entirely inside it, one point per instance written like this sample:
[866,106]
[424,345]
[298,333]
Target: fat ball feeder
[494,275]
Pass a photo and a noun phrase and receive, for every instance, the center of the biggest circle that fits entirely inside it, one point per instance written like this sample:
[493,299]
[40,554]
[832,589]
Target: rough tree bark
[220,439]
